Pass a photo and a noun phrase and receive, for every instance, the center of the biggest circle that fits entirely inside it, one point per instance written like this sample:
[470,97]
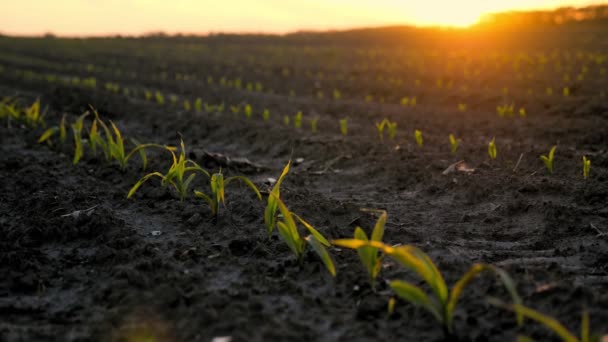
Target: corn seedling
[392,129]
[160,99]
[344,126]
[248,111]
[550,323]
[418,137]
[113,145]
[218,196]
[370,256]
[198,105]
[32,114]
[46,136]
[286,120]
[148,95]
[492,149]
[187,106]
[522,112]
[235,109]
[297,120]
[441,303]
[337,94]
[313,125]
[77,127]
[454,143]
[566,92]
[462,107]
[586,167]
[175,176]
[288,230]
[380,128]
[548,159]
[270,213]
[266,115]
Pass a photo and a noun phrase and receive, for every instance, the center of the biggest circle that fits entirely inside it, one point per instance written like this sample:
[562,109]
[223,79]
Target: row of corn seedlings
[440,302]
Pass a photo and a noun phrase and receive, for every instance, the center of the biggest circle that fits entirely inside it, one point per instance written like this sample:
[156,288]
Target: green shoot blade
[47,134]
[416,296]
[313,231]
[142,181]
[321,251]
[247,182]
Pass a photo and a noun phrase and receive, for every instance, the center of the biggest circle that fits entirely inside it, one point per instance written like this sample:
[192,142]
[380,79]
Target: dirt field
[154,267]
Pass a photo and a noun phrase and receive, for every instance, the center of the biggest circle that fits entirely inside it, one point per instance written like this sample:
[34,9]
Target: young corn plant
[218,196]
[297,120]
[313,125]
[392,129]
[288,230]
[32,115]
[160,99]
[370,256]
[248,111]
[454,143]
[46,136]
[550,323]
[266,115]
[176,176]
[113,145]
[440,303]
[270,213]
[380,128]
[492,152]
[586,167]
[198,105]
[286,120]
[344,126]
[77,128]
[418,137]
[548,159]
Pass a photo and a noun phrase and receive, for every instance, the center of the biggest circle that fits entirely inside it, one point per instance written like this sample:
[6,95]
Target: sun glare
[79,17]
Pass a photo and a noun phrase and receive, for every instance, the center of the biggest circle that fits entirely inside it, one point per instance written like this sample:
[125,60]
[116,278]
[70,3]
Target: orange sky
[101,17]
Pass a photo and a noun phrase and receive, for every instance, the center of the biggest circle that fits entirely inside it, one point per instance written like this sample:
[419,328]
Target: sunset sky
[102,17]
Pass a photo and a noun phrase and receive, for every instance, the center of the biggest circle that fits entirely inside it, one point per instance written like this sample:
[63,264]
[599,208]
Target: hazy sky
[99,17]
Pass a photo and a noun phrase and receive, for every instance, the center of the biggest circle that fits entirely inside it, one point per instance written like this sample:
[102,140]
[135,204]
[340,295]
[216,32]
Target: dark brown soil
[104,275]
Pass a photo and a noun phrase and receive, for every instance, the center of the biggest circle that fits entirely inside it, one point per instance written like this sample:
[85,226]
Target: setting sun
[96,17]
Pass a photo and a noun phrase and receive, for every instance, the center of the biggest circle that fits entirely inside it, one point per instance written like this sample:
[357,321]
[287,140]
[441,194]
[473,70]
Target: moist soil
[81,262]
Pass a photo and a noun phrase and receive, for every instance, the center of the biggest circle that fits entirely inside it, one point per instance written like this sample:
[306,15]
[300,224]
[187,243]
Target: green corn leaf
[217,187]
[247,182]
[378,231]
[547,321]
[414,259]
[142,181]
[209,200]
[271,207]
[62,131]
[585,334]
[119,144]
[289,222]
[416,296]
[312,231]
[292,241]
[47,134]
[366,253]
[187,184]
[322,252]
